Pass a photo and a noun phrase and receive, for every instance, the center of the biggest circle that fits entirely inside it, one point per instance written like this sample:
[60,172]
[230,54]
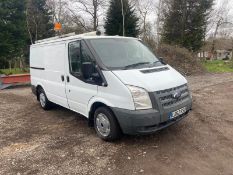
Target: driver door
[79,92]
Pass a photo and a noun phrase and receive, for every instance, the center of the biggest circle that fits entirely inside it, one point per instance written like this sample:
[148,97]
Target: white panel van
[116,82]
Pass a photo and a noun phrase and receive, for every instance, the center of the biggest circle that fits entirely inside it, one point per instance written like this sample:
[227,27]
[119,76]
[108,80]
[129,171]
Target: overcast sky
[217,5]
[152,16]
[226,4]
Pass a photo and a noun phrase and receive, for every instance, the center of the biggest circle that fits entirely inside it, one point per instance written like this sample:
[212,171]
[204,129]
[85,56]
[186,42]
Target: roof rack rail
[56,37]
[94,33]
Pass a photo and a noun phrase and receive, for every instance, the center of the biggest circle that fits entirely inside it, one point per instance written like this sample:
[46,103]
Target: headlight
[141,98]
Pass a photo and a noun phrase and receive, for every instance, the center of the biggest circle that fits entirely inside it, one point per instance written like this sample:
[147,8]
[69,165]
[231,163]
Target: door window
[75,58]
[79,54]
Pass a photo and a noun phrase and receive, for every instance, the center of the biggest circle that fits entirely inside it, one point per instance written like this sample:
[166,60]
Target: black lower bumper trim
[144,121]
[154,128]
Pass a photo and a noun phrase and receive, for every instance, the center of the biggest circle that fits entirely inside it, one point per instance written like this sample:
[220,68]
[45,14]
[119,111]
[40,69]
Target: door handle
[68,79]
[62,78]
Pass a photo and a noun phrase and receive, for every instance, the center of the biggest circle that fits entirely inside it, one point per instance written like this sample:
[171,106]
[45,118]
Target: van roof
[73,37]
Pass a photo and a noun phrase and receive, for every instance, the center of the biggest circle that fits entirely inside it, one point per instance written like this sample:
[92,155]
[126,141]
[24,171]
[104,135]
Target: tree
[57,8]
[185,23]
[114,19]
[62,13]
[89,8]
[220,25]
[161,9]
[145,8]
[13,35]
[39,20]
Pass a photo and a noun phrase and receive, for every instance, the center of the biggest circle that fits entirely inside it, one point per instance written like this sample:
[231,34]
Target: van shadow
[176,134]
[67,113]
[80,121]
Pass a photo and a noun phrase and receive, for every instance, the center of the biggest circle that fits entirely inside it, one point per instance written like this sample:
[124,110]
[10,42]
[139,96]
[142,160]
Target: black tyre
[44,102]
[106,125]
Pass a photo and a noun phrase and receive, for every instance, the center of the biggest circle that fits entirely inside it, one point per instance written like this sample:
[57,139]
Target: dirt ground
[59,141]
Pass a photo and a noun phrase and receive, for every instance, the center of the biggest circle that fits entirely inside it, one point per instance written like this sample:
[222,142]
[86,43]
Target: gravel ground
[59,141]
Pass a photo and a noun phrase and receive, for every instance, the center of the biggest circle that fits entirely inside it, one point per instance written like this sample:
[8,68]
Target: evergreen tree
[114,20]
[185,23]
[13,35]
[39,20]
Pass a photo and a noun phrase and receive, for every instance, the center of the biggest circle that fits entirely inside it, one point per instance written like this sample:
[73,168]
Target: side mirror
[162,60]
[87,70]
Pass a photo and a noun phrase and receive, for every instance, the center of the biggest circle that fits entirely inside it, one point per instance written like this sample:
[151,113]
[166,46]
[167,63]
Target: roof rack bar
[56,37]
[94,33]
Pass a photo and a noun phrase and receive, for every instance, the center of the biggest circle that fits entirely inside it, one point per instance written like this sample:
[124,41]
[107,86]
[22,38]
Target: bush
[14,71]
[181,59]
[218,66]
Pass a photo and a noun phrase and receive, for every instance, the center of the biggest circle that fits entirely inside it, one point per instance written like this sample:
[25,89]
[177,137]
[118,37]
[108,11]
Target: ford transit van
[115,82]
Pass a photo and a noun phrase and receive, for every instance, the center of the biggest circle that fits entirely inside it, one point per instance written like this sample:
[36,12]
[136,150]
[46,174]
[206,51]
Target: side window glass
[75,57]
[79,53]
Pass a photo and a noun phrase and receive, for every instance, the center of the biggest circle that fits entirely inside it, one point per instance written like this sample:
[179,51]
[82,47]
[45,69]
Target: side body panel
[37,66]
[78,94]
[51,58]
[116,94]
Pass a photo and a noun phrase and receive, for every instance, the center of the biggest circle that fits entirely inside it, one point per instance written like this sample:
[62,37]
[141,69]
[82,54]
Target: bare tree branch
[90,7]
[78,20]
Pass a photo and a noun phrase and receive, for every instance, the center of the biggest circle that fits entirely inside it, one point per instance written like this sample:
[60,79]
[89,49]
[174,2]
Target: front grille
[166,96]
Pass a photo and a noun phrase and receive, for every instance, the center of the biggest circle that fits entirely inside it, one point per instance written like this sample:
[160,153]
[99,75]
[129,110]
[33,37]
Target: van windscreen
[123,53]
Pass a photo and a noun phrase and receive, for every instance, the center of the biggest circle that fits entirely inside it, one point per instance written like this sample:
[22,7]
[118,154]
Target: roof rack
[56,37]
[94,33]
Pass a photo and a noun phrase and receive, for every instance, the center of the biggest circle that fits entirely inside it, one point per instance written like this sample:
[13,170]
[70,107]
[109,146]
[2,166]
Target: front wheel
[106,125]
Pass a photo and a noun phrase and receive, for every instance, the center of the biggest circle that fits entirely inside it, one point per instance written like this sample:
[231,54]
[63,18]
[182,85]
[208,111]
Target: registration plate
[177,113]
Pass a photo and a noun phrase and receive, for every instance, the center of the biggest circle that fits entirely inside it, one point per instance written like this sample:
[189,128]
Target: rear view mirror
[162,60]
[88,70]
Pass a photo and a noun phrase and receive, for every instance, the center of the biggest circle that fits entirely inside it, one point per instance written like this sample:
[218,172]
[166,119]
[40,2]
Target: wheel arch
[93,105]
[39,86]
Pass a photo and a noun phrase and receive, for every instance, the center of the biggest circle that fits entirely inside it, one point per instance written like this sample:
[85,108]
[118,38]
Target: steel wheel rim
[103,124]
[42,100]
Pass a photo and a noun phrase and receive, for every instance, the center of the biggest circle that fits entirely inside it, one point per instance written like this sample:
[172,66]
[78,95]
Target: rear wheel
[44,102]
[106,125]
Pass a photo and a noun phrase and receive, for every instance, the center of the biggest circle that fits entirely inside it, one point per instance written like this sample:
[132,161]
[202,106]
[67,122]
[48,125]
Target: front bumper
[148,121]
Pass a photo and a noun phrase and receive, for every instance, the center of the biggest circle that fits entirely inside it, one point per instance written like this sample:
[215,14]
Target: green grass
[14,71]
[218,66]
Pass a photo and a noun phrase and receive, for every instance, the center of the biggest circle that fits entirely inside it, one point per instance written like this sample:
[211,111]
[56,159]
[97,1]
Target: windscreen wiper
[156,62]
[136,64]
